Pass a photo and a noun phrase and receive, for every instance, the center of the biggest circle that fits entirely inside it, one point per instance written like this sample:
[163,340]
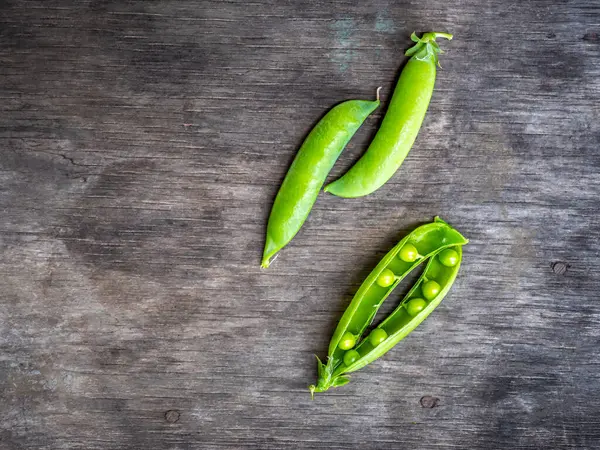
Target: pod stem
[327,378]
[426,47]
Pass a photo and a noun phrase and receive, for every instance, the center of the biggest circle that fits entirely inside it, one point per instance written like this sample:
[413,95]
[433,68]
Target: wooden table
[142,144]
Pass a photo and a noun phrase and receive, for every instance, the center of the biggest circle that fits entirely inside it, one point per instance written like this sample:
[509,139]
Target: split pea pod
[414,309]
[349,350]
[305,177]
[400,125]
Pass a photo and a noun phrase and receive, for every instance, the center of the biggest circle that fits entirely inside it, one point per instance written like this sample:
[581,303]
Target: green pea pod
[401,322]
[308,172]
[440,245]
[400,125]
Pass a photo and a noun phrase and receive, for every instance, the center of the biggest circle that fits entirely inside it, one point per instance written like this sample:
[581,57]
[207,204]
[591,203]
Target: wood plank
[142,144]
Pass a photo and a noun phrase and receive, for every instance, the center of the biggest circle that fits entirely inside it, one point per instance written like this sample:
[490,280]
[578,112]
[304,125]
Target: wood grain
[142,144]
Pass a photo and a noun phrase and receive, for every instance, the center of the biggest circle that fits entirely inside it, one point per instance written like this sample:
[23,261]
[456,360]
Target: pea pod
[400,125]
[431,241]
[405,318]
[308,172]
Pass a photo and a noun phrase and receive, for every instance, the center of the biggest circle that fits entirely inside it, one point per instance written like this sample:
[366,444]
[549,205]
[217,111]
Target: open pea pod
[437,243]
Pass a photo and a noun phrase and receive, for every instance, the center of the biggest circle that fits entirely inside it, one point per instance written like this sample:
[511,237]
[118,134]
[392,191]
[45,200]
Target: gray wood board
[142,144]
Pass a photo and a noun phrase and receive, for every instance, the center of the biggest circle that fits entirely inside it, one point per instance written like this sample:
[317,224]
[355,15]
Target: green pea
[350,357]
[400,125]
[408,253]
[448,257]
[377,336]
[415,306]
[430,289]
[386,278]
[306,175]
[348,341]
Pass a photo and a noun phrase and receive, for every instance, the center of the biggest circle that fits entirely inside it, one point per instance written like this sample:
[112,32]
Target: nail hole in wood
[427,401]
[560,267]
[172,416]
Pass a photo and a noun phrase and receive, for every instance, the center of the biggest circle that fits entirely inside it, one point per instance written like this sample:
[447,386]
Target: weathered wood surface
[142,143]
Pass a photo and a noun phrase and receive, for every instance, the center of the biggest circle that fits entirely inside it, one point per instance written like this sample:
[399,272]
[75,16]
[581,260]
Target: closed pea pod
[429,240]
[400,125]
[305,177]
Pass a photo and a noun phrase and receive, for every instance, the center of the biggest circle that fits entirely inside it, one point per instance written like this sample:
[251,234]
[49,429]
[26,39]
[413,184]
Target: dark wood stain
[142,144]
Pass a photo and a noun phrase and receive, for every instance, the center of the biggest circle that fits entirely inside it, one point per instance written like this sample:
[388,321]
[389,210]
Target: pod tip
[268,260]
